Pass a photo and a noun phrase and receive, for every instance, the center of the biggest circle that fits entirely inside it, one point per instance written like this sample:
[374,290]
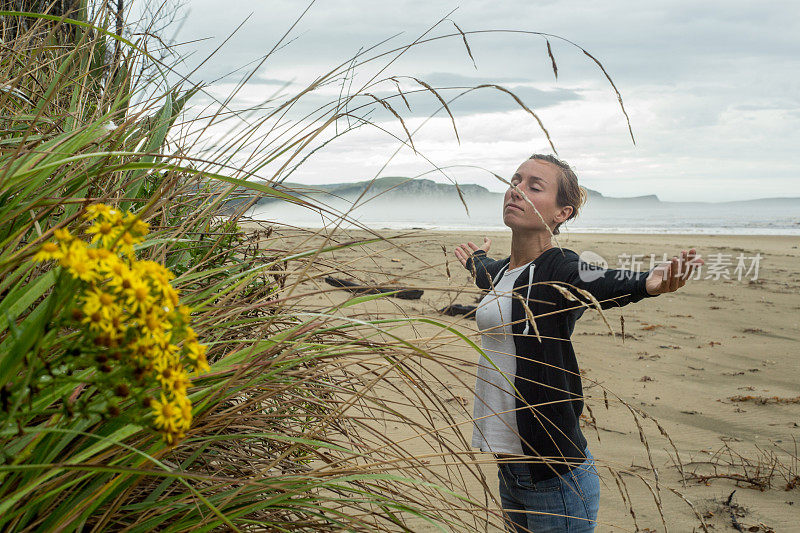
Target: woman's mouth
[514,206]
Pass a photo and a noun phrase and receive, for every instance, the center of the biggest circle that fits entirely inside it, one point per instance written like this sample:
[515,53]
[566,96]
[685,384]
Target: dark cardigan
[548,379]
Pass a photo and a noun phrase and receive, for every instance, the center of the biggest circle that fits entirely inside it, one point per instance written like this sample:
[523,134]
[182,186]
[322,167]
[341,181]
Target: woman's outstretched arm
[614,288]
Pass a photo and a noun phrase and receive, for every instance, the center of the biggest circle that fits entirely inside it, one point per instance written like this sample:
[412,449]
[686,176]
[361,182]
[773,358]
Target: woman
[528,395]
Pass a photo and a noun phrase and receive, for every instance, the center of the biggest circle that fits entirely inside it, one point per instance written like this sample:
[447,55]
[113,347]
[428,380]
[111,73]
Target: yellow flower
[128,239]
[168,415]
[132,307]
[143,350]
[125,243]
[138,228]
[97,210]
[160,277]
[164,350]
[173,437]
[171,299]
[186,410]
[201,364]
[77,262]
[103,258]
[172,417]
[48,251]
[154,323]
[173,378]
[121,277]
[185,314]
[138,297]
[195,350]
[103,231]
[156,270]
[63,236]
[95,320]
[104,302]
[115,326]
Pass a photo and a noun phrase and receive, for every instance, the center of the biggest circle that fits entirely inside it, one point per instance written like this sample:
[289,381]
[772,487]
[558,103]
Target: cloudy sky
[712,90]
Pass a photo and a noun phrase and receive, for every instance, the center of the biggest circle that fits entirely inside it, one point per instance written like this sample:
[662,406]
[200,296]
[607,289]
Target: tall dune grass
[286,426]
[292,423]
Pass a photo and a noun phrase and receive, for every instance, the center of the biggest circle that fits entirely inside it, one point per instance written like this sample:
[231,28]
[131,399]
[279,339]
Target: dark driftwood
[403,294]
[457,309]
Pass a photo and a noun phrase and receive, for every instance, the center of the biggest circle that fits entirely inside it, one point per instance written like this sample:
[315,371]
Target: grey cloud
[456,79]
[423,103]
[484,100]
[763,106]
[271,81]
[637,42]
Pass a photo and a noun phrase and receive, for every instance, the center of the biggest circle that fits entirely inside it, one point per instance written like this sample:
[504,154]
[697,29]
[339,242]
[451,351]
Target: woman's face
[538,180]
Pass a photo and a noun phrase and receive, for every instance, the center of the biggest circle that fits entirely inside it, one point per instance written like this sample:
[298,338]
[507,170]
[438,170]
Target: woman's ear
[563,214]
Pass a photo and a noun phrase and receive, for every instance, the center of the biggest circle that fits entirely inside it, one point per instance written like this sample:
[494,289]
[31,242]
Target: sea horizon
[638,220]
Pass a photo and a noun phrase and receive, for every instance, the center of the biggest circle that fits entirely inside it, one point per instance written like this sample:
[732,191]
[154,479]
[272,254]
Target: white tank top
[494,412]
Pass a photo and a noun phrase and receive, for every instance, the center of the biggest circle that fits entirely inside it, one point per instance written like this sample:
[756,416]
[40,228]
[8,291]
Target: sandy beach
[715,366]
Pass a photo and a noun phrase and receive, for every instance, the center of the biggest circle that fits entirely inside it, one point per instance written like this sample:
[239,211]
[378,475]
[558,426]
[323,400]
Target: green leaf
[23,295]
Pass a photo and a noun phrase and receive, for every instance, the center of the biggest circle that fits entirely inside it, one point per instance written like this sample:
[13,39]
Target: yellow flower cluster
[131,307]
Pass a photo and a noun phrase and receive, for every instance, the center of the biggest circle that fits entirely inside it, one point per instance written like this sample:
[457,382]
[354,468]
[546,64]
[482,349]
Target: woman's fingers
[463,253]
[465,250]
[487,242]
[683,268]
[460,256]
[672,276]
[464,256]
[684,271]
[663,280]
[679,269]
[669,281]
[694,261]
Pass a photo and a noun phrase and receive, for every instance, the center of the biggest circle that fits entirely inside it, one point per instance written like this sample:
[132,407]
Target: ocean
[765,217]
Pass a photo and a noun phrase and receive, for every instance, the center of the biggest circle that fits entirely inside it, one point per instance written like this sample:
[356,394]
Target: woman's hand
[671,276]
[464,251]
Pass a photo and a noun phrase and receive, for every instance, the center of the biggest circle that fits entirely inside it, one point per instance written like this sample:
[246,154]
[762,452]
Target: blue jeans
[557,505]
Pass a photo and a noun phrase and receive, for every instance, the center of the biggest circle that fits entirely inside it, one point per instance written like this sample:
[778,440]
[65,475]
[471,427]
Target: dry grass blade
[525,107]
[623,492]
[759,469]
[657,499]
[616,91]
[444,104]
[566,293]
[461,197]
[531,319]
[552,58]
[692,507]
[597,305]
[400,92]
[389,108]
[466,44]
